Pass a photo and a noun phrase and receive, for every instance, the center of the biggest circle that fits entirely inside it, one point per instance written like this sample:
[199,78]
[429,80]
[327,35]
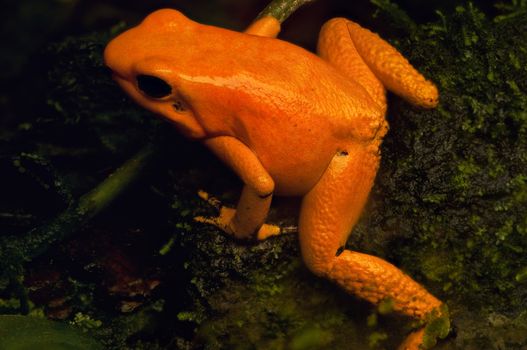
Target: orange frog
[287,122]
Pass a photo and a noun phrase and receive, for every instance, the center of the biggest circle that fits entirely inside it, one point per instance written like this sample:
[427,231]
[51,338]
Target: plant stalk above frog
[287,122]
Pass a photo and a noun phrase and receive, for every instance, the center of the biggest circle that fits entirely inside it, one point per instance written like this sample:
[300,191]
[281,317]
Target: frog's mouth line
[125,84]
[117,77]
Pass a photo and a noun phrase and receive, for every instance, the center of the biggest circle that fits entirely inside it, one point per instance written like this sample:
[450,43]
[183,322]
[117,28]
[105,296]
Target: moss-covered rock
[452,183]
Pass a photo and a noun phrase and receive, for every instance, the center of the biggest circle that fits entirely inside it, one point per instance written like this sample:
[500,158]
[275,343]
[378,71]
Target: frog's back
[280,78]
[291,74]
[287,101]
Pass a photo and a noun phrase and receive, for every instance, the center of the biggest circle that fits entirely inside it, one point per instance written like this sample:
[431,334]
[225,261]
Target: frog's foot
[413,341]
[215,202]
[437,326]
[227,222]
[221,221]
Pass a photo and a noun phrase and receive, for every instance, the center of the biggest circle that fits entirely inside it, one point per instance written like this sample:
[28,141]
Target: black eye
[153,86]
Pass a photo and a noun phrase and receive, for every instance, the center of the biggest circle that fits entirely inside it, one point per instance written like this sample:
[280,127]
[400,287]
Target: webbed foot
[227,223]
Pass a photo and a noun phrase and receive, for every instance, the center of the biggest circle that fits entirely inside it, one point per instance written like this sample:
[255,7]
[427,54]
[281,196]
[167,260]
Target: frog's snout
[121,53]
[132,67]
[112,58]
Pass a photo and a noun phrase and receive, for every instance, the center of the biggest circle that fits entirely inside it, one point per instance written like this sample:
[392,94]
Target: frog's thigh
[346,44]
[329,212]
[336,46]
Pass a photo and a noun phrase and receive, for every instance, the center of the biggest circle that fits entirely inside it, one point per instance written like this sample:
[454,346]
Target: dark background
[28,25]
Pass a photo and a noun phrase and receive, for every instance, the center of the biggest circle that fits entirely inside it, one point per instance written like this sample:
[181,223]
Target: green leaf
[28,333]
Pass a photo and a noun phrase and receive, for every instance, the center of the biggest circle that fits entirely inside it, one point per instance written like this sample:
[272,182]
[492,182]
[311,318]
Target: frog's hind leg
[329,212]
[334,45]
[368,59]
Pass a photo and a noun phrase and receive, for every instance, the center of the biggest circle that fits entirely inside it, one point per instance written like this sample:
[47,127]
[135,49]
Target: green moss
[437,327]
[294,311]
[450,194]
[386,306]
[521,276]
[85,322]
[466,170]
[9,305]
[311,338]
[464,161]
[376,339]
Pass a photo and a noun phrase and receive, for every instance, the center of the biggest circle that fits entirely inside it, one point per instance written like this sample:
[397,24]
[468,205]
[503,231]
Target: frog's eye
[153,86]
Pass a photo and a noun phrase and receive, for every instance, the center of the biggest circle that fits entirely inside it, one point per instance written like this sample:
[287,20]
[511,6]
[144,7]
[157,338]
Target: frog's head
[140,60]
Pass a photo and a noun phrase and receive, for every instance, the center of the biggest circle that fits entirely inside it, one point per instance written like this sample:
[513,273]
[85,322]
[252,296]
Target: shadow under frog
[288,122]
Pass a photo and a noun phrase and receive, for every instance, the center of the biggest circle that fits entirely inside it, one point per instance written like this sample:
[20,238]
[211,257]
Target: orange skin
[288,122]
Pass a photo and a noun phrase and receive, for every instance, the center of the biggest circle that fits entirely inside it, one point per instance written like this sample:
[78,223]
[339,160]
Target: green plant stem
[16,250]
[282,9]
[101,196]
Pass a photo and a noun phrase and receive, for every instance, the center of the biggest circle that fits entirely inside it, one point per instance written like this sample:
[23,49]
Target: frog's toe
[223,221]
[437,326]
[238,227]
[413,341]
[267,231]
[215,202]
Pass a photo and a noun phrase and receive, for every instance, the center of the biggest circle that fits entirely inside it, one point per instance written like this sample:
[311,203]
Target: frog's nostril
[153,86]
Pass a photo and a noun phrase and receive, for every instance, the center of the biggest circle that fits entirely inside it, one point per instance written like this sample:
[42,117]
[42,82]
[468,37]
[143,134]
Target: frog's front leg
[329,212]
[247,220]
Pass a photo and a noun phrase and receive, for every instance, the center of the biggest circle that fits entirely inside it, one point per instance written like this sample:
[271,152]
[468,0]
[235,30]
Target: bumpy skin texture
[288,122]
